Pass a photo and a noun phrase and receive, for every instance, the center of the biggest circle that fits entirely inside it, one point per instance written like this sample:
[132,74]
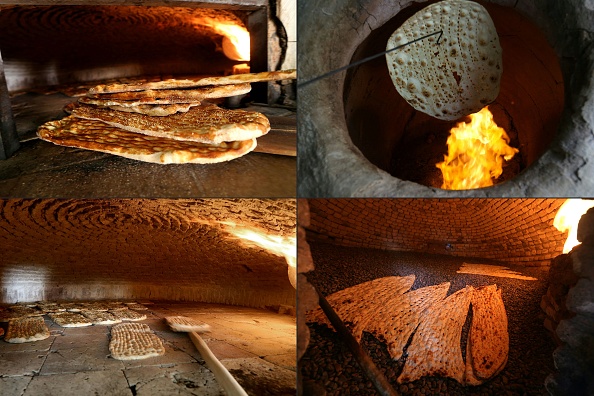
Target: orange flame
[236,38]
[568,217]
[275,244]
[475,153]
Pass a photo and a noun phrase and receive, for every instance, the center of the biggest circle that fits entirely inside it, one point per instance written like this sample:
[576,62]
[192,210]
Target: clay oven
[361,139]
[512,243]
[169,257]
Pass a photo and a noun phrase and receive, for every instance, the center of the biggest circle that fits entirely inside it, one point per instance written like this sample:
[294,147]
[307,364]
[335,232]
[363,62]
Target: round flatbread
[452,79]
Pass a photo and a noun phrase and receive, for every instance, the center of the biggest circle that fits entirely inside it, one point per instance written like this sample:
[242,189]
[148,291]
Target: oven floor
[328,366]
[258,348]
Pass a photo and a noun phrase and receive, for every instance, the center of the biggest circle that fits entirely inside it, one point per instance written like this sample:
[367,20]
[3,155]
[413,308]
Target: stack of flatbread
[165,121]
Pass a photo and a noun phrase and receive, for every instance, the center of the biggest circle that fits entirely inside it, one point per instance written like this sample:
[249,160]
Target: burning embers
[236,38]
[476,152]
[275,244]
[568,218]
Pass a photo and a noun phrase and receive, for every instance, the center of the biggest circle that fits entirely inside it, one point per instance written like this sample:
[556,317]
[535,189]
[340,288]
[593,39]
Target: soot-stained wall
[518,231]
[157,249]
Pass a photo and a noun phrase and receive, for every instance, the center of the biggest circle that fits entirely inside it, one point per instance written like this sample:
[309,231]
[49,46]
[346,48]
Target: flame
[236,38]
[275,244]
[475,153]
[568,217]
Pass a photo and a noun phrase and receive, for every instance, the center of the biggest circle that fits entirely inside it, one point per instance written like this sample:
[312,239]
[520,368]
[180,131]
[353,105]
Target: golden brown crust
[163,96]
[98,136]
[26,330]
[205,123]
[200,82]
[435,348]
[131,341]
[488,339]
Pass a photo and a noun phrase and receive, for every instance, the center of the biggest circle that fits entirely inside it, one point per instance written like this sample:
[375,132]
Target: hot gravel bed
[329,367]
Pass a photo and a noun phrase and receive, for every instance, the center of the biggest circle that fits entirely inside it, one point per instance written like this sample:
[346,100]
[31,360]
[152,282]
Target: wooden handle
[225,378]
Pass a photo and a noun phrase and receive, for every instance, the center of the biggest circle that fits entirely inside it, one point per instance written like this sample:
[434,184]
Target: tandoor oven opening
[409,144]
[77,270]
[449,296]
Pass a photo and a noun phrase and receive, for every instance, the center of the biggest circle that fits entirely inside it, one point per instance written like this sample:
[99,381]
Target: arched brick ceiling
[517,231]
[160,249]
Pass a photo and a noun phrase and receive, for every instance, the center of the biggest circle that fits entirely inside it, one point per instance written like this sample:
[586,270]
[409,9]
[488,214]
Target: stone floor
[257,346]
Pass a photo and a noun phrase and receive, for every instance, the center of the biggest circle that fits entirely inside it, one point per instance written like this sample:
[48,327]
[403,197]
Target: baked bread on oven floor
[26,330]
[130,341]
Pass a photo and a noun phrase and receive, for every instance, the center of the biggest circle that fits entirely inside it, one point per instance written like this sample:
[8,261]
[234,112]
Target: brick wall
[518,231]
[157,249]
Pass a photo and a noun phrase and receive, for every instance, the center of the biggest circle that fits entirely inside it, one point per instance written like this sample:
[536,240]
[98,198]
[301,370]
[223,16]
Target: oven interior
[353,241]
[52,54]
[174,257]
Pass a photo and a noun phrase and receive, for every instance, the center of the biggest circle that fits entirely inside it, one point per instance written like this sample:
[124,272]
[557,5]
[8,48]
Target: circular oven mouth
[408,143]
[359,138]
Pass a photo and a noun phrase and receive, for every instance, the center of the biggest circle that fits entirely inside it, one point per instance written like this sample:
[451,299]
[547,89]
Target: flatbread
[452,79]
[185,324]
[487,348]
[127,314]
[26,330]
[131,341]
[19,311]
[136,306]
[70,319]
[47,307]
[365,312]
[176,95]
[435,348]
[154,110]
[98,136]
[396,320]
[100,317]
[198,82]
[207,123]
[349,302]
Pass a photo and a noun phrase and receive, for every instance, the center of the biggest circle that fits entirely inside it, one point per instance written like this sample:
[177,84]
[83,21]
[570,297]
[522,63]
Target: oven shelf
[40,169]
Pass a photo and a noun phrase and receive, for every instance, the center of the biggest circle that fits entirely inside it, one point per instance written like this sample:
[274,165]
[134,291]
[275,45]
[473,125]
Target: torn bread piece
[131,341]
[198,82]
[396,320]
[487,348]
[435,347]
[98,136]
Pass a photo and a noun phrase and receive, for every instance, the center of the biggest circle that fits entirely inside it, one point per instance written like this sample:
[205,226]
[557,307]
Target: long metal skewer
[357,63]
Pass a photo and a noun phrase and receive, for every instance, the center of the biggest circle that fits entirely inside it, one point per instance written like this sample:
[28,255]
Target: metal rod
[359,62]
[378,379]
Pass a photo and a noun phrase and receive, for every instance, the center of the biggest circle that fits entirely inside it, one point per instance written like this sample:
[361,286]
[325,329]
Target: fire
[568,217]
[275,244]
[236,38]
[475,153]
